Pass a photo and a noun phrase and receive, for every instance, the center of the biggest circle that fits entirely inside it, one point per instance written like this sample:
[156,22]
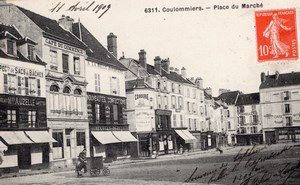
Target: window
[5,83]
[77,92]
[229,125]
[65,61]
[179,88]
[26,86]
[181,120]
[100,113]
[188,92]
[53,60]
[58,146]
[11,118]
[114,85]
[12,84]
[10,47]
[288,121]
[67,90]
[173,100]
[80,138]
[31,119]
[54,88]
[97,82]
[32,86]
[253,108]
[228,113]
[158,85]
[38,87]
[194,93]
[241,109]
[174,120]
[188,106]
[286,95]
[253,129]
[159,101]
[115,114]
[166,102]
[19,90]
[180,102]
[76,65]
[242,120]
[195,124]
[165,85]
[30,50]
[254,119]
[173,87]
[190,124]
[287,108]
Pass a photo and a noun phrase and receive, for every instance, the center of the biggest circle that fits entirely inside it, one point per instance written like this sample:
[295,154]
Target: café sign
[63,46]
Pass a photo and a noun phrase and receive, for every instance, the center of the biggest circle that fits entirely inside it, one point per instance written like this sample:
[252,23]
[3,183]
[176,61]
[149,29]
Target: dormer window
[10,47]
[30,50]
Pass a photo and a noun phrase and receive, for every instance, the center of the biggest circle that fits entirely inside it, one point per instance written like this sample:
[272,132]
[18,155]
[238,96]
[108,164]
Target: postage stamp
[276,33]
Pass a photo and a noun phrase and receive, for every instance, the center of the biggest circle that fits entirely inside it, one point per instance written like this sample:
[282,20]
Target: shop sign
[20,71]
[142,100]
[143,121]
[106,99]
[63,46]
[21,101]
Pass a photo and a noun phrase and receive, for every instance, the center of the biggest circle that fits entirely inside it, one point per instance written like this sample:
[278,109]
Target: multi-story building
[23,116]
[156,105]
[249,129]
[230,98]
[65,84]
[106,97]
[280,107]
[214,130]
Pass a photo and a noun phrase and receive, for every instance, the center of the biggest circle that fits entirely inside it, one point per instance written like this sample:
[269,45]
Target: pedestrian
[81,163]
[180,149]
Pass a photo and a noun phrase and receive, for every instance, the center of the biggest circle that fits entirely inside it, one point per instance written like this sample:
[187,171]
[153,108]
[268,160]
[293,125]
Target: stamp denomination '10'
[276,33]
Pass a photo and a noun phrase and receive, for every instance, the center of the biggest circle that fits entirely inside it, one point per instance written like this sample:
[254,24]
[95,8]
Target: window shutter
[5,83]
[111,85]
[38,87]
[118,86]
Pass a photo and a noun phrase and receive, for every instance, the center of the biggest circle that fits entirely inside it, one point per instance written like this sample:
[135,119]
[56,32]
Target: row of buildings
[62,91]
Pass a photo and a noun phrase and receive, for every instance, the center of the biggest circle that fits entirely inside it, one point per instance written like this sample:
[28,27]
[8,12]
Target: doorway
[24,157]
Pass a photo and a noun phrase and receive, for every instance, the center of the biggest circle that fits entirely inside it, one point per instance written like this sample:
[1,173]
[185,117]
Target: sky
[218,45]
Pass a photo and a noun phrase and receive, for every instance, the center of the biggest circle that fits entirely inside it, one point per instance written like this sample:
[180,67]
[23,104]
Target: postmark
[276,33]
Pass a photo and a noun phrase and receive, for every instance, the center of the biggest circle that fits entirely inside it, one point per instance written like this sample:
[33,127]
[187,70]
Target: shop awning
[105,137]
[40,136]
[186,132]
[3,147]
[186,135]
[125,136]
[15,137]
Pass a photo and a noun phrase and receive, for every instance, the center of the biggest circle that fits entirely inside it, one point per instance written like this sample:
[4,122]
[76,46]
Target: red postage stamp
[276,33]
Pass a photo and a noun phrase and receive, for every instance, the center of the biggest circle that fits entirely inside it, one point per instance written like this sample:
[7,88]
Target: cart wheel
[106,171]
[94,172]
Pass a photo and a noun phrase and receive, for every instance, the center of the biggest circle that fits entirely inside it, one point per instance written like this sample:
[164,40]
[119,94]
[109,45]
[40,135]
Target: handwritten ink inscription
[100,9]
[250,166]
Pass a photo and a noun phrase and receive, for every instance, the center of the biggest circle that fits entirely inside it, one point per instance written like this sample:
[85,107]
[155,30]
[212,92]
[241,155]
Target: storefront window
[31,119]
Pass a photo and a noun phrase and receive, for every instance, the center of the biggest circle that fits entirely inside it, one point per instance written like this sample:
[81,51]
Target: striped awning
[105,137]
[124,136]
[40,136]
[3,147]
[15,137]
[186,135]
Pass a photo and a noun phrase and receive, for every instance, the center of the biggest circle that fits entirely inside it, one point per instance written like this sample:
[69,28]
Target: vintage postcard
[150,92]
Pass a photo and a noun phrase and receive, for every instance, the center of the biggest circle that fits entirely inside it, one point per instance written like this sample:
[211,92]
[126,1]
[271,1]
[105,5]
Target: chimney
[262,77]
[276,75]
[140,82]
[112,44]
[199,82]
[208,91]
[183,72]
[221,91]
[143,59]
[192,79]
[172,69]
[157,64]
[66,22]
[165,64]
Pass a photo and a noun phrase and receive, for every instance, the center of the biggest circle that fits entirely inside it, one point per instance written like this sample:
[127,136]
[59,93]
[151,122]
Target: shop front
[249,139]
[184,139]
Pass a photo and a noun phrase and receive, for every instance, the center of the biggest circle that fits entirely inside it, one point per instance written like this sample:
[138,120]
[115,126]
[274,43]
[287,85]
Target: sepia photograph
[148,92]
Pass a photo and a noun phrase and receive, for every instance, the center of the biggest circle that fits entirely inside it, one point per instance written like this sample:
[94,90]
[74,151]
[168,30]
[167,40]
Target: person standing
[81,163]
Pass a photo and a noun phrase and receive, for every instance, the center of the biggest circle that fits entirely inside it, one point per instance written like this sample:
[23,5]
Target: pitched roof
[229,97]
[98,51]
[52,27]
[248,99]
[171,76]
[133,84]
[11,29]
[286,79]
[22,58]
